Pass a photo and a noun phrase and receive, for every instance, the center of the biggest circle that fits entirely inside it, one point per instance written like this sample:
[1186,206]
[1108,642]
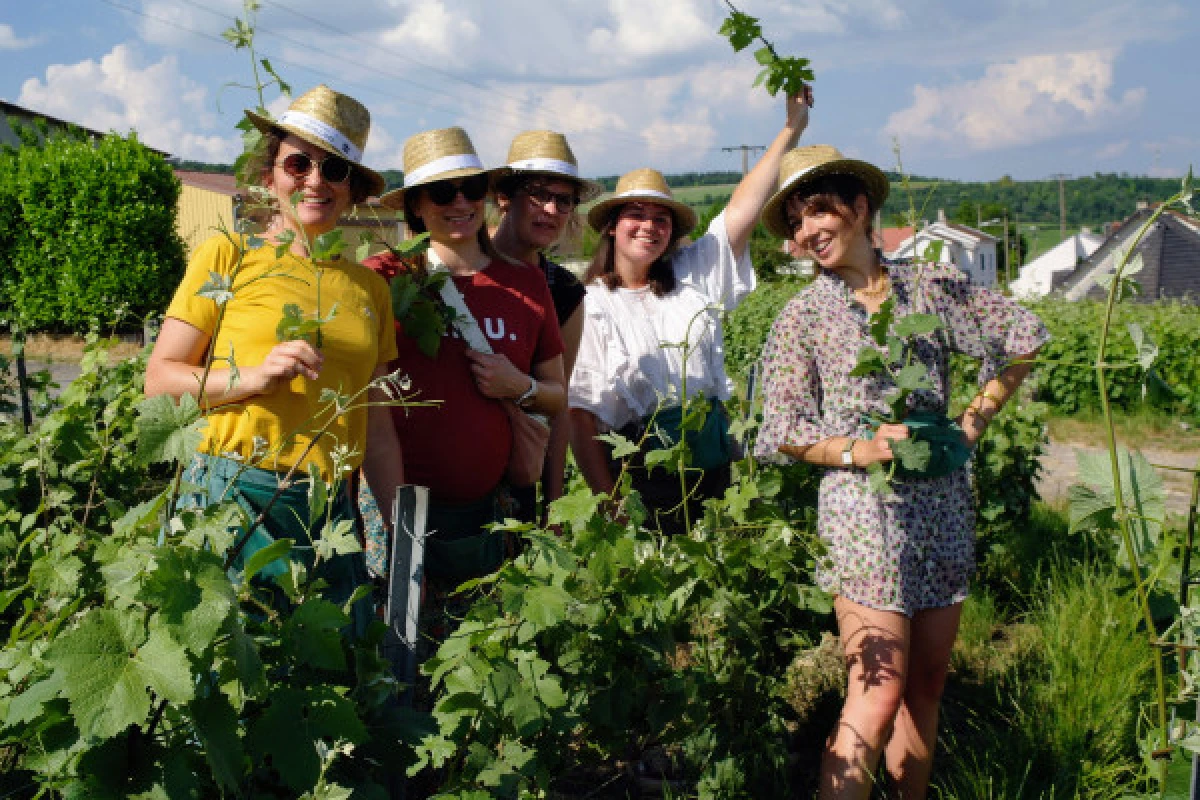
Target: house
[972,251]
[210,201]
[1038,276]
[11,112]
[1170,252]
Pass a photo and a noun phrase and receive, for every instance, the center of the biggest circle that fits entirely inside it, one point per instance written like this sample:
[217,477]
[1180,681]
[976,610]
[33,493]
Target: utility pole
[746,149]
[1007,253]
[1062,207]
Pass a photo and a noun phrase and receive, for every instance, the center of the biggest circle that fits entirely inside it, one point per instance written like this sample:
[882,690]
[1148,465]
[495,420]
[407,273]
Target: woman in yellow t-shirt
[266,417]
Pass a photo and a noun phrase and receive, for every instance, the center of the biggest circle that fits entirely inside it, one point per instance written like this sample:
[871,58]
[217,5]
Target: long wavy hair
[660,277]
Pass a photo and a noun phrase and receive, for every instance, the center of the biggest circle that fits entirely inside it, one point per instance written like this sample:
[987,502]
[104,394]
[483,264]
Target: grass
[1145,430]
[1046,705]
[57,347]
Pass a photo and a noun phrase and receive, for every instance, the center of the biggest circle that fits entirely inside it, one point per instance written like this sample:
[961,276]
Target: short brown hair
[831,194]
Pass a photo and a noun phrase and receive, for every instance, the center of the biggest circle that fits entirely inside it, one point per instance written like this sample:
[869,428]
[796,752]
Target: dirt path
[1059,471]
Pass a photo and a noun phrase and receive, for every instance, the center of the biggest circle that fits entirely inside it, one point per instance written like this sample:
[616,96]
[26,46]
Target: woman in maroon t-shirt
[460,447]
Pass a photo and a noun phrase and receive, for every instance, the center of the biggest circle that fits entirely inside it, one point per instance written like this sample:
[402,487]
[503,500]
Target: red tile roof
[889,239]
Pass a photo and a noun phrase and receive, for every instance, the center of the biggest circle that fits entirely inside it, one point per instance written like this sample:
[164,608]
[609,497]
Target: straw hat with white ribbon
[437,155]
[547,153]
[334,122]
[642,186]
[805,165]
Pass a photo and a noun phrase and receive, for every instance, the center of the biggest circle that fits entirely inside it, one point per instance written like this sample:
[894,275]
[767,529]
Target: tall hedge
[95,229]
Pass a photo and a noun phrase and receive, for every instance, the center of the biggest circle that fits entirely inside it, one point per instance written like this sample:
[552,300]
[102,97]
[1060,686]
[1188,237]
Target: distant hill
[1091,200]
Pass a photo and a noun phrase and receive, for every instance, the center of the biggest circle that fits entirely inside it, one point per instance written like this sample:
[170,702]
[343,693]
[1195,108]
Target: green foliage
[131,662]
[93,237]
[746,328]
[618,640]
[1066,381]
[790,74]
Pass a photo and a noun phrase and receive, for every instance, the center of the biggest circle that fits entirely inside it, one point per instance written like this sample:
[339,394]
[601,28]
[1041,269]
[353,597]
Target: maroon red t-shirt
[460,448]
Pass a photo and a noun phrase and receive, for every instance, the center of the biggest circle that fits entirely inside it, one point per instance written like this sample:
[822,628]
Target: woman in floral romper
[898,562]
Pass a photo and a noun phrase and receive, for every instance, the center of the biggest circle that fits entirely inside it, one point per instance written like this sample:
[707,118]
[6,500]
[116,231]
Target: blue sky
[970,90]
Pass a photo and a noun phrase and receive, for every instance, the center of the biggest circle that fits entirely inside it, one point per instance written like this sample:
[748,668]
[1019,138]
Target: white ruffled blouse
[632,352]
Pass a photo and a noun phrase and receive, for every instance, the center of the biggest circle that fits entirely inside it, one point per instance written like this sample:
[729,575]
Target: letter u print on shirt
[495,329]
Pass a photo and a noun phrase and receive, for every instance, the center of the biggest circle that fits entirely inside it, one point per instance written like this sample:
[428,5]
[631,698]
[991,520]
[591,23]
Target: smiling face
[642,233]
[321,203]
[454,222]
[540,209]
[826,229]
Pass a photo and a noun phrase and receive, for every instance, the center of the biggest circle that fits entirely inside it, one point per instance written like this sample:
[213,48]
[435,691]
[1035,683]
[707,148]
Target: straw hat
[437,155]
[643,185]
[334,122]
[547,153]
[805,165]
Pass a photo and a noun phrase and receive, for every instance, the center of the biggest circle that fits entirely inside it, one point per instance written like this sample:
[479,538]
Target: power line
[518,117]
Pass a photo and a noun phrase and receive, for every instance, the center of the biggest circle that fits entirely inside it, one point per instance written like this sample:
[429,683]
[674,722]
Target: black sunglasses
[333,169]
[442,193]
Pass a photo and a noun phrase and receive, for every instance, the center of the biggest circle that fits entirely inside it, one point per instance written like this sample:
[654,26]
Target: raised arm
[755,189]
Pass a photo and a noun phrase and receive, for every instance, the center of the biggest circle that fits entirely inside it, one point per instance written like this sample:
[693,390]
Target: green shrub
[96,234]
[747,327]
[1066,375]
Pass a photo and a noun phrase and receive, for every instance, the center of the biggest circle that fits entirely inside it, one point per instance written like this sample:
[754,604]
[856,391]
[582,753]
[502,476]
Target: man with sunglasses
[538,199]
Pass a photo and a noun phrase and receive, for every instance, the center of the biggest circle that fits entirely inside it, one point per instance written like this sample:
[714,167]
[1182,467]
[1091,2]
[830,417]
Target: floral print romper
[914,548]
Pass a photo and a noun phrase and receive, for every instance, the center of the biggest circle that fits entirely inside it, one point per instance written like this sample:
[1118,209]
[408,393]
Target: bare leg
[876,645]
[909,752]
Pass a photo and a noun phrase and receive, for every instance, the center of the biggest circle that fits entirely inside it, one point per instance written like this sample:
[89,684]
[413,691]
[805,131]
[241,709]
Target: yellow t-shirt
[360,337]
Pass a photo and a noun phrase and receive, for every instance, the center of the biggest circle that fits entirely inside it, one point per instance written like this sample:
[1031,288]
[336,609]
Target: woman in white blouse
[645,296]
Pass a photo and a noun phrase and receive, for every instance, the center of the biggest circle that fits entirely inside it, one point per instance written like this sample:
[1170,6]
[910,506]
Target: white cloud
[166,108]
[430,29]
[10,41]
[1029,100]
[641,30]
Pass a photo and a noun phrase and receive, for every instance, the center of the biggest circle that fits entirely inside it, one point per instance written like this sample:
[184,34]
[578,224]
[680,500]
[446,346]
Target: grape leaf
[218,288]
[545,606]
[291,725]
[216,723]
[311,635]
[916,325]
[167,432]
[109,666]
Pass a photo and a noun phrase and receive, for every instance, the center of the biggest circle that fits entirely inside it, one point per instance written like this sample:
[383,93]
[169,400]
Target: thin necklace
[881,289]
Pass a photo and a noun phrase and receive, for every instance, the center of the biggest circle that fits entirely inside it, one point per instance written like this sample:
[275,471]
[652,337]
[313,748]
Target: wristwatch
[848,452]
[527,397]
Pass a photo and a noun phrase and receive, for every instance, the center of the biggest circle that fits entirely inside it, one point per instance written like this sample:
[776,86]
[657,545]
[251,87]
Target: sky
[968,90]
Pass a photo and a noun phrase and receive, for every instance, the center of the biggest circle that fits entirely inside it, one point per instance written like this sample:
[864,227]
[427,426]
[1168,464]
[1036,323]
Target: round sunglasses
[442,193]
[333,169]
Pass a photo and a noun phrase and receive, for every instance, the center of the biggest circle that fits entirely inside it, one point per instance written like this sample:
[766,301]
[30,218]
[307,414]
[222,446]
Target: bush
[747,327]
[1067,379]
[95,234]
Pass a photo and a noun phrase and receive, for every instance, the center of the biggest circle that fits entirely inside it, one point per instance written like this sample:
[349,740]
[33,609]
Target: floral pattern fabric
[913,548]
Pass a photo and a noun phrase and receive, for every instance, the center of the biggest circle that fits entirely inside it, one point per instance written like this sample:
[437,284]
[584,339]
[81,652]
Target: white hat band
[547,165]
[328,133]
[645,193]
[440,165]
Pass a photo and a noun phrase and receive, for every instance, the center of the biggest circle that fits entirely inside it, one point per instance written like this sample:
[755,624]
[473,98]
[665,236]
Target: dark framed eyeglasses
[333,168]
[442,193]
[540,196]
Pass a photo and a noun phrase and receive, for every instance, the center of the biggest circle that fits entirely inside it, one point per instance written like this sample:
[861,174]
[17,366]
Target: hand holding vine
[286,360]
